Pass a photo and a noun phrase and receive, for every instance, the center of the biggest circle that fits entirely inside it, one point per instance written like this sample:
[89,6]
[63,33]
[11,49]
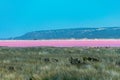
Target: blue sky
[20,16]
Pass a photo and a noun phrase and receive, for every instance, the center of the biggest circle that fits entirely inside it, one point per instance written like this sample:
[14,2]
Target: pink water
[61,43]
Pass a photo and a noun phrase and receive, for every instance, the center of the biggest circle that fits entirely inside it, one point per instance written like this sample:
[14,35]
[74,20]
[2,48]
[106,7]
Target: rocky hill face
[77,33]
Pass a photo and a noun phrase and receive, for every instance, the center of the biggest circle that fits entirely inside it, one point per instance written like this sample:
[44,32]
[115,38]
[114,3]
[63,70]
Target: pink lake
[62,43]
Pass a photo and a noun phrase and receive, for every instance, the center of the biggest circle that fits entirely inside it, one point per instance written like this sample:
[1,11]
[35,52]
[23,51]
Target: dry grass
[31,64]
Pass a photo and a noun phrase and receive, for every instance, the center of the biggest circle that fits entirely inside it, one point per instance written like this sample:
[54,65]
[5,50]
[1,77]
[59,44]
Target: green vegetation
[49,63]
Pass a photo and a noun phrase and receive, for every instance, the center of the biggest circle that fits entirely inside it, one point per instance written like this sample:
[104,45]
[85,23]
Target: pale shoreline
[66,40]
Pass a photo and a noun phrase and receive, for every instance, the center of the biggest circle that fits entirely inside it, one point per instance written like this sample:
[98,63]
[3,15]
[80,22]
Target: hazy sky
[20,16]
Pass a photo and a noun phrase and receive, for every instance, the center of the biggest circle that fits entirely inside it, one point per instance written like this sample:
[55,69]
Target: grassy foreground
[49,63]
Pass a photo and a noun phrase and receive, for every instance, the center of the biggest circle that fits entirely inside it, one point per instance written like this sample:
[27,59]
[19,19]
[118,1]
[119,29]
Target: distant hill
[77,33]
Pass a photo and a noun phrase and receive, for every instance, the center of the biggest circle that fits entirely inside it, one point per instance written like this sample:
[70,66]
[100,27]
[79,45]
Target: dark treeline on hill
[77,33]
